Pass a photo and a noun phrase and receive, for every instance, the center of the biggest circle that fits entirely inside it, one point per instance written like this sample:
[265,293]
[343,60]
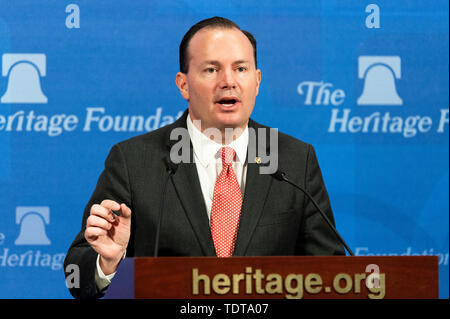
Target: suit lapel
[189,191]
[187,186]
[256,191]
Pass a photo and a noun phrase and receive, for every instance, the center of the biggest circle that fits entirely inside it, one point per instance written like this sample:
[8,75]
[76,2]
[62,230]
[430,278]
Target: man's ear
[258,80]
[182,84]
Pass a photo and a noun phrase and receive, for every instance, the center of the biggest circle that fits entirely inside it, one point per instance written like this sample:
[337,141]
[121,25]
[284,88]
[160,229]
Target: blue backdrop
[365,82]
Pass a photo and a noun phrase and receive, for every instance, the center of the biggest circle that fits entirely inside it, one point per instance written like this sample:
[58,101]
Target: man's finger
[102,212]
[110,204]
[96,221]
[92,233]
[126,212]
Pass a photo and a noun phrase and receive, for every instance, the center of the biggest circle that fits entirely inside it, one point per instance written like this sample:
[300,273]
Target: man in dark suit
[217,203]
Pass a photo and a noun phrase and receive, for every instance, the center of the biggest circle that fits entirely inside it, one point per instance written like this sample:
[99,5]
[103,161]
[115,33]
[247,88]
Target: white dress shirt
[207,157]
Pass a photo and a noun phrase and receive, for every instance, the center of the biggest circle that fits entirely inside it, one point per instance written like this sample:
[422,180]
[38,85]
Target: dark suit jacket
[276,219]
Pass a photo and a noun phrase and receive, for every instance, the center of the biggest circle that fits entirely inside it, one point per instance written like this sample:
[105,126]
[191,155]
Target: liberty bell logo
[23,72]
[32,221]
[379,74]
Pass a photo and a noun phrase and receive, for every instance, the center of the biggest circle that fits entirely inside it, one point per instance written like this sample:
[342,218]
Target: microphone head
[279,175]
[171,166]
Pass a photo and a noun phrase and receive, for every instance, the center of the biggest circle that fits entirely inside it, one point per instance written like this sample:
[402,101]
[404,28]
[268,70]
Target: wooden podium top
[292,277]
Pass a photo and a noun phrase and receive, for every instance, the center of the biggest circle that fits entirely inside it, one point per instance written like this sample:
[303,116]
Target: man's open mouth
[228,102]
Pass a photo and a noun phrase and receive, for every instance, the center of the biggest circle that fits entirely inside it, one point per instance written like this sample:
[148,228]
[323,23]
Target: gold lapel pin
[258,160]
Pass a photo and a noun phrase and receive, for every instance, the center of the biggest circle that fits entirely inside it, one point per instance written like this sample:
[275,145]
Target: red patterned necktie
[226,207]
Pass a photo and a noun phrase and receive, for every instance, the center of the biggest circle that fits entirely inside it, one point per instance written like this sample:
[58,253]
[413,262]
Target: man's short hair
[215,22]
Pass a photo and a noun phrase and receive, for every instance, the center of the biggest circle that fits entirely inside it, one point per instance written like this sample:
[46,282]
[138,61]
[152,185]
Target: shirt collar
[207,151]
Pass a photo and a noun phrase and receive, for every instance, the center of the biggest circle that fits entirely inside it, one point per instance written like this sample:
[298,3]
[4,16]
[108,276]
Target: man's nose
[227,80]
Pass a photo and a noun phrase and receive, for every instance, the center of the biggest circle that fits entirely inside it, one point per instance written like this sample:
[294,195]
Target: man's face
[222,82]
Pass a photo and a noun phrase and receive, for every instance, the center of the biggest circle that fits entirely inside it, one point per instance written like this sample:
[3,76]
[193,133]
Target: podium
[291,277]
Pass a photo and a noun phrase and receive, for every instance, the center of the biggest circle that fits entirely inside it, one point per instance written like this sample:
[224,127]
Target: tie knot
[227,155]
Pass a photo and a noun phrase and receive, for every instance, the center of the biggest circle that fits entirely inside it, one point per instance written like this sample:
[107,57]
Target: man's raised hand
[108,234]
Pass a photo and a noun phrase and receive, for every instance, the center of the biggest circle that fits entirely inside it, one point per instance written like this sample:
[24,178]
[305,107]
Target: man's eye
[241,69]
[210,70]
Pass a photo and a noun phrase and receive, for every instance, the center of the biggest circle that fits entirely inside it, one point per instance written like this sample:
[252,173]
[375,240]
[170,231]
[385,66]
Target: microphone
[283,177]
[171,169]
